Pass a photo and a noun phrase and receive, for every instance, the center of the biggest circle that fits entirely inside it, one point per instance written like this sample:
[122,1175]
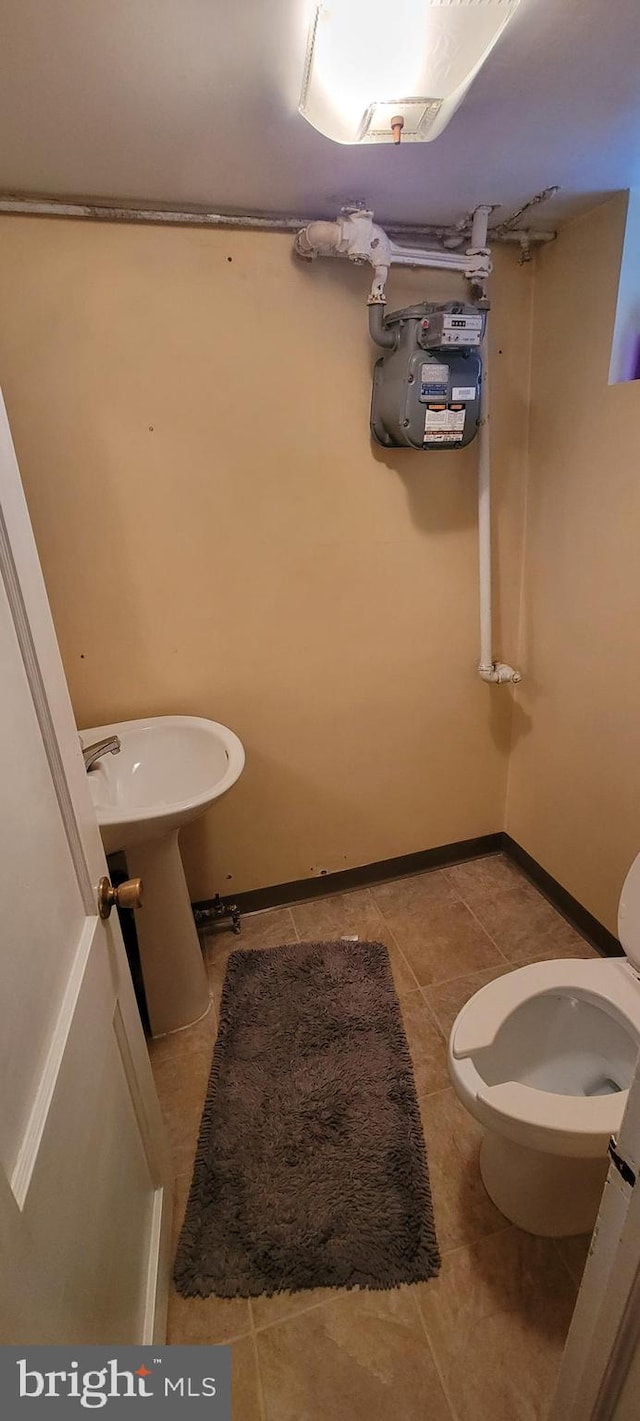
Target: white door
[84,1182]
[600,1373]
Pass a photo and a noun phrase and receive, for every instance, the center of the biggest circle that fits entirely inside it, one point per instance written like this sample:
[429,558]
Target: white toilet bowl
[543,1057]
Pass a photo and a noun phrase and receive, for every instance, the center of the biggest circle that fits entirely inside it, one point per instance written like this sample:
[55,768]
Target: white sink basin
[169,769]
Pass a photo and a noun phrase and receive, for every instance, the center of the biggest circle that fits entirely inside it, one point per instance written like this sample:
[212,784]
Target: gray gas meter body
[426,386]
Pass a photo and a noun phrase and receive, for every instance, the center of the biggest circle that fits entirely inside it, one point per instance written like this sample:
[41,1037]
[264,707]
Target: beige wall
[219,537]
[574,788]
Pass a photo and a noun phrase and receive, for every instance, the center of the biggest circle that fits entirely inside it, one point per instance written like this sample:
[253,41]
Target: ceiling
[186,102]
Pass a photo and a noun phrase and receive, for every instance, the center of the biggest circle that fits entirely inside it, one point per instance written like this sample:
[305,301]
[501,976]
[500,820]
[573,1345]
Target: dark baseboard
[579,917]
[280,895]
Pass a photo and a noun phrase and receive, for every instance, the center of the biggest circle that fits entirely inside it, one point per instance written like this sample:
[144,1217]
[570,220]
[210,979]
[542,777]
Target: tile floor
[482,1342]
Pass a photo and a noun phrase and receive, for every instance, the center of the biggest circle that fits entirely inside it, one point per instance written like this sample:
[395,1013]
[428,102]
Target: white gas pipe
[356,236]
[497,672]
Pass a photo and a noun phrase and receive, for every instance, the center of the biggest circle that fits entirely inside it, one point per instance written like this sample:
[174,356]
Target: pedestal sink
[170,769]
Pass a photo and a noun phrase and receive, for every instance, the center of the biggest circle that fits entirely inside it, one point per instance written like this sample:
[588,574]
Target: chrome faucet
[91,753]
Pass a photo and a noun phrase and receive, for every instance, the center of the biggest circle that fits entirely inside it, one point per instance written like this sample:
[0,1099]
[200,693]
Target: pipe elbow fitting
[388,339]
[302,246]
[316,238]
[507,674]
[499,674]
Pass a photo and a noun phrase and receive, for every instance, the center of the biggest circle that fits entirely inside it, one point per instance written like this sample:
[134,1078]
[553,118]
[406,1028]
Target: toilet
[543,1057]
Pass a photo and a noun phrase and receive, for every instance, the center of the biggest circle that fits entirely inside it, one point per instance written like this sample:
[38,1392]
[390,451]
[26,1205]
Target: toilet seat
[606,982]
[571,1124]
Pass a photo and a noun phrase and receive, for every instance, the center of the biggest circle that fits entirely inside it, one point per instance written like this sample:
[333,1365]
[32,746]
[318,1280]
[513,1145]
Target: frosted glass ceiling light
[380,70]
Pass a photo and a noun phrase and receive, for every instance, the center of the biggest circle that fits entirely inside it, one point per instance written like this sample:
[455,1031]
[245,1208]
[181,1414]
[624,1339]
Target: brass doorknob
[126,895]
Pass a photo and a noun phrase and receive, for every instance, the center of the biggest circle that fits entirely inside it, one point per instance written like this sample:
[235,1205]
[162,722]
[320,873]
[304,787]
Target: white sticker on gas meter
[443,426]
[464,392]
[434,374]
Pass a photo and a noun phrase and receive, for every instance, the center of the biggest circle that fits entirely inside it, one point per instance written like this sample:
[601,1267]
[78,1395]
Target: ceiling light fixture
[381,71]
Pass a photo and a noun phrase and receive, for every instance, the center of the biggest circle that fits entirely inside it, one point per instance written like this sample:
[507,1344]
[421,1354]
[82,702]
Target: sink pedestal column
[175,978]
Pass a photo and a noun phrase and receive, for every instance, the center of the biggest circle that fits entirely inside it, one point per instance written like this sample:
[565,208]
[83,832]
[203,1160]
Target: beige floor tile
[463,1210]
[481,877]
[414,894]
[216,962]
[183,1141]
[426,1044]
[525,925]
[200,1320]
[267,1311]
[187,1042]
[245,1383]
[445,941]
[183,1053]
[446,999]
[404,979]
[574,1251]
[568,944]
[182,1111]
[497,1318]
[363,1357]
[339,915]
[183,1074]
[272,928]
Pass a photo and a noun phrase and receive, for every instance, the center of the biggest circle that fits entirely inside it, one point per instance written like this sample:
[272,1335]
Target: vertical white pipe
[484,517]
[495,671]
[479,228]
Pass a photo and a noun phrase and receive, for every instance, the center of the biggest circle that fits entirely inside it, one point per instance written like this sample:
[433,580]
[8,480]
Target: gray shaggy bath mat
[310,1170]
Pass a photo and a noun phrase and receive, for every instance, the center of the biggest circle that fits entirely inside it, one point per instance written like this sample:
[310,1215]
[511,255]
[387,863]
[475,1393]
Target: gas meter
[426,386]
